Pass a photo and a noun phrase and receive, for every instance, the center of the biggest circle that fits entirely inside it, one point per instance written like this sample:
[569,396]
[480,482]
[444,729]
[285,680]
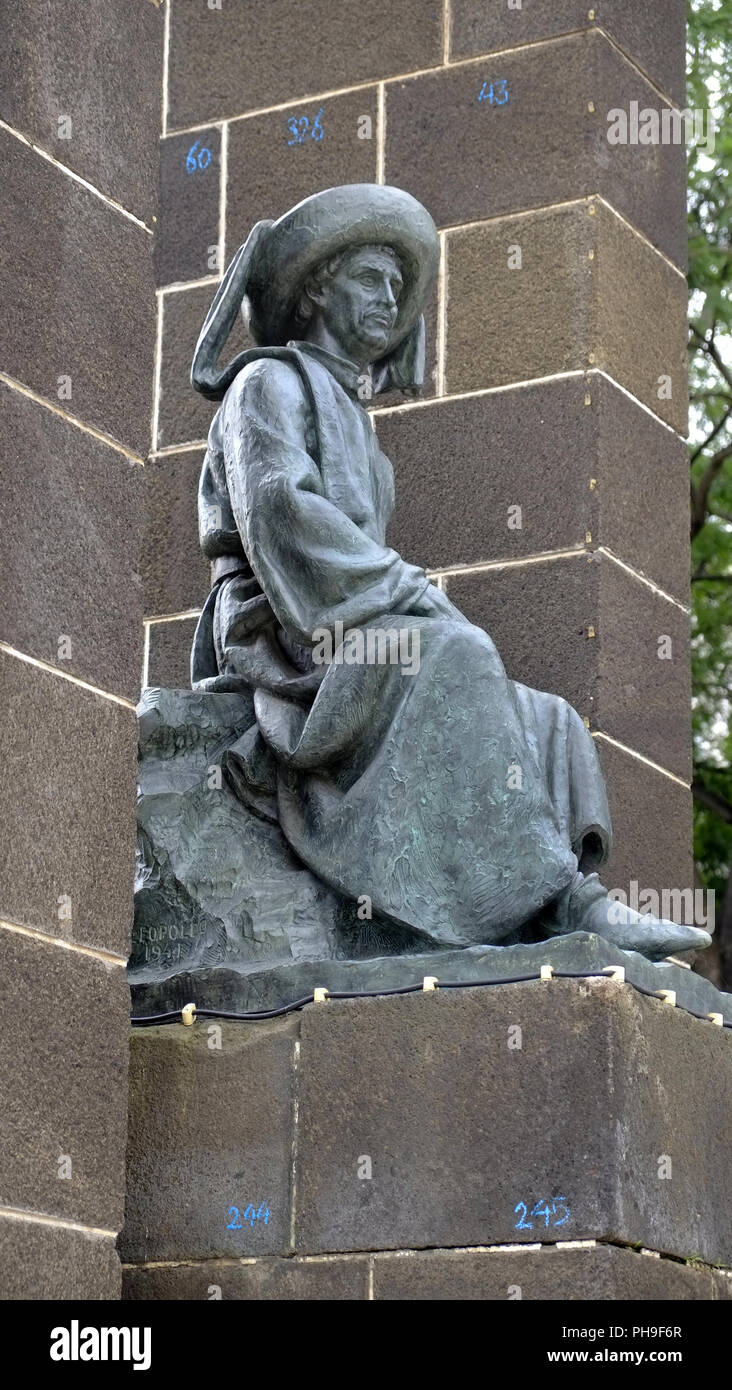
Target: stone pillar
[561,1139]
[544,477]
[80,116]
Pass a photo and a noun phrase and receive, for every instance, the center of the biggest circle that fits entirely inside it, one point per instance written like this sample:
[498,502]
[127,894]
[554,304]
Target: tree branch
[712,800]
[700,493]
[713,435]
[712,351]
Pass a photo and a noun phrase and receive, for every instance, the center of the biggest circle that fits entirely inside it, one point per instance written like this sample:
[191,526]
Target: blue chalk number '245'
[541,1208]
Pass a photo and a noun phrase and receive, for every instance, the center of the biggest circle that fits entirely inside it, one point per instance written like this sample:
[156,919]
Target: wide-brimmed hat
[267,274]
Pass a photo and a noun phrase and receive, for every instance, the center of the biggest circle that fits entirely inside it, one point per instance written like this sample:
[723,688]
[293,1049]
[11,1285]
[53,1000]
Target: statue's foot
[585,906]
[653,937]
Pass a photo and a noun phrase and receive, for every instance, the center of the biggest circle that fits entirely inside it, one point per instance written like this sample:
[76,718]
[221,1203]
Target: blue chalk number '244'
[541,1208]
[250,1215]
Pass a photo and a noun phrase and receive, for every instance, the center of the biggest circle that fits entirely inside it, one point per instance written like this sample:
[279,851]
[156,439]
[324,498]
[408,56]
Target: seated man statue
[391,780]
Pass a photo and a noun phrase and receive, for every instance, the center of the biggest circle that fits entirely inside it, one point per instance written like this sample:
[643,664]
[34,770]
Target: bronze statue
[373,729]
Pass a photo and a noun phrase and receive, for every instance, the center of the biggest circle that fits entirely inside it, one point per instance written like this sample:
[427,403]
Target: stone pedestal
[562,1139]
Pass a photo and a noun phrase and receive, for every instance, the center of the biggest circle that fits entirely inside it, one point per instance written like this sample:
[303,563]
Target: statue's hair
[323,274]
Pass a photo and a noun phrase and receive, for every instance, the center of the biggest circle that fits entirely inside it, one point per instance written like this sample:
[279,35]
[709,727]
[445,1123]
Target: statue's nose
[387,294]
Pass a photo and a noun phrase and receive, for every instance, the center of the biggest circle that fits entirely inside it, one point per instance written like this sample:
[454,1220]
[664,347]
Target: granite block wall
[442,1144]
[79,127]
[543,477]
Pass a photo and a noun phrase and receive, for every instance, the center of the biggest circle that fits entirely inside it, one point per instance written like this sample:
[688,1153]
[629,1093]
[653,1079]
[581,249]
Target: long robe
[453,800]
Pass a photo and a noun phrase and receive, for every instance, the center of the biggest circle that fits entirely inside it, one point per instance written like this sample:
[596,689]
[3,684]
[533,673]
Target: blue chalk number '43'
[495,92]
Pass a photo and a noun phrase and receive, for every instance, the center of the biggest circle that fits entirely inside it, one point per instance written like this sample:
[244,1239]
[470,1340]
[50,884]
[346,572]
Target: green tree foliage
[710,371]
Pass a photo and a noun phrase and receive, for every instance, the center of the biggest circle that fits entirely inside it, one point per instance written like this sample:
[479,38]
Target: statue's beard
[374,331]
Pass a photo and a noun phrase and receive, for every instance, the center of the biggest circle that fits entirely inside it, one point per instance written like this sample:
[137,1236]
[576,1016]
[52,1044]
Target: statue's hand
[434,604]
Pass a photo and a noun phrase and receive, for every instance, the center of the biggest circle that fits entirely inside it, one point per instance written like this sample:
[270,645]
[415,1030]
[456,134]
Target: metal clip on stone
[615,972]
[716,1018]
[668,996]
[188,1015]
[547,972]
[430,983]
[320,995]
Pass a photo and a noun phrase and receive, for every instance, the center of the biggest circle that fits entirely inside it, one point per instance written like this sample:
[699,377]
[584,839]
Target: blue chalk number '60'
[197,161]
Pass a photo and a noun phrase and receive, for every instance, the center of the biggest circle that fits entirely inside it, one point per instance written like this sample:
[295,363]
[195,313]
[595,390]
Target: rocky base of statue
[241,990]
[227,916]
[525,1141]
[216,885]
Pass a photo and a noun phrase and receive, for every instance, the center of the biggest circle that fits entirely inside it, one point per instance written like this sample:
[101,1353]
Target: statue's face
[358,306]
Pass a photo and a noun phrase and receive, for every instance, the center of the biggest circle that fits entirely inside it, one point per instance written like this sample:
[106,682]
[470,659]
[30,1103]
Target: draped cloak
[459,802]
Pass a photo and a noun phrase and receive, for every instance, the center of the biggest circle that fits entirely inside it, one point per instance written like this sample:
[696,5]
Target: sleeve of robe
[314,564]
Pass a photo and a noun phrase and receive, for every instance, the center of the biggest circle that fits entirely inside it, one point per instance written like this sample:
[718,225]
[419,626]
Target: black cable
[175,1016]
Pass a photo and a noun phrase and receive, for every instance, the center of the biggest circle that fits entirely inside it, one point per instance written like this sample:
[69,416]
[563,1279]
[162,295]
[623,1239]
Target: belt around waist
[225,565]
